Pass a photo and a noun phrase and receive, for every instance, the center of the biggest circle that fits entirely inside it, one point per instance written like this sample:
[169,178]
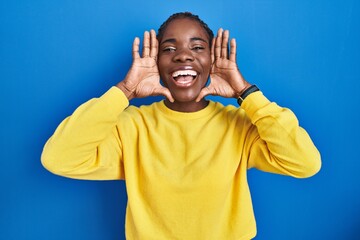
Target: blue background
[54,55]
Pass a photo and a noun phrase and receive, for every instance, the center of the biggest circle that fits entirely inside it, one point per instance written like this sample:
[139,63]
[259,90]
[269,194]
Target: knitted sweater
[185,173]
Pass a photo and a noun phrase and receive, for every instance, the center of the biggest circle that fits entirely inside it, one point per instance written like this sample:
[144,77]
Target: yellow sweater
[185,173]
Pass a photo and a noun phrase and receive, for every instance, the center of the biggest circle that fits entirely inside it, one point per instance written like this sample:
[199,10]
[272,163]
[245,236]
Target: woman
[184,159]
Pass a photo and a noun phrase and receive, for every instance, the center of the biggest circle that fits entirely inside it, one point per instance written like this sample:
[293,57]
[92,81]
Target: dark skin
[184,46]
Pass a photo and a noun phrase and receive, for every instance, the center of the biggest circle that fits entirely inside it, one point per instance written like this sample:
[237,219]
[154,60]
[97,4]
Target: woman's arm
[86,144]
[277,143]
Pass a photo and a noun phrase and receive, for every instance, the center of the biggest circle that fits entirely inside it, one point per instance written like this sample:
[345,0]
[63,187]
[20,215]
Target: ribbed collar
[186,115]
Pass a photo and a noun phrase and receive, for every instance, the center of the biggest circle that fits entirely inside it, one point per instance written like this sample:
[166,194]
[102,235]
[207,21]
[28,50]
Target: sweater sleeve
[86,145]
[278,144]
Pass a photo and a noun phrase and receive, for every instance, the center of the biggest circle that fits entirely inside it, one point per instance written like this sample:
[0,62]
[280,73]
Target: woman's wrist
[241,91]
[128,93]
[246,92]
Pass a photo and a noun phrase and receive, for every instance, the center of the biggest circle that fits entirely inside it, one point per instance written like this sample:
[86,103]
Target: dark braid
[182,15]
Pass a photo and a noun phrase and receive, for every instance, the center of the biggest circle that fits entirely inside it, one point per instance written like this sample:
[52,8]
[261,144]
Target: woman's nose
[183,55]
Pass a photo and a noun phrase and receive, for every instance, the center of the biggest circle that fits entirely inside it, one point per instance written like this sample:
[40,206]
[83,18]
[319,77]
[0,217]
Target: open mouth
[184,78]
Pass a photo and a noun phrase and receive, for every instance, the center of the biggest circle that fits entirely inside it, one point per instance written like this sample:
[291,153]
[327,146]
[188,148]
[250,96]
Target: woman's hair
[182,15]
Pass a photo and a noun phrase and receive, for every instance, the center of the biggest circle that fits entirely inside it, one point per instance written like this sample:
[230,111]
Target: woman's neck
[186,106]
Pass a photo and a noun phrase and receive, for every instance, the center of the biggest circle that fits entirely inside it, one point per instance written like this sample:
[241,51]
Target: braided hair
[182,15]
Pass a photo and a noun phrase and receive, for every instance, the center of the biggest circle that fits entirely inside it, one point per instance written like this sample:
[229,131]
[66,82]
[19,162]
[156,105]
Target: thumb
[204,92]
[165,92]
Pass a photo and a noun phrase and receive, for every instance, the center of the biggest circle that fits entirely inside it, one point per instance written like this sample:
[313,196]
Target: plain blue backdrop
[54,55]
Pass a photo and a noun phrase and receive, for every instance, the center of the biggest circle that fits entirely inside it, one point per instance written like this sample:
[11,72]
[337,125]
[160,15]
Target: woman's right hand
[143,78]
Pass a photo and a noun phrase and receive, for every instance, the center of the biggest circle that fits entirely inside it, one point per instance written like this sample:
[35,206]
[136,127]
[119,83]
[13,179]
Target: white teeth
[184,73]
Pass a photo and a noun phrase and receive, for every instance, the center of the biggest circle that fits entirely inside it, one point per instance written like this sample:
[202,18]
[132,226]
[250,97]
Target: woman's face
[184,59]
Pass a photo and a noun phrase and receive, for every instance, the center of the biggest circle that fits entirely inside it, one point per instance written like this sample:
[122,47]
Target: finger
[154,44]
[135,51]
[166,93]
[146,44]
[225,44]
[218,44]
[212,50]
[233,50]
[204,92]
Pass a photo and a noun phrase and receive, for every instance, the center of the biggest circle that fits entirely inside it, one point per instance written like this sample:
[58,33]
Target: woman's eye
[197,48]
[169,49]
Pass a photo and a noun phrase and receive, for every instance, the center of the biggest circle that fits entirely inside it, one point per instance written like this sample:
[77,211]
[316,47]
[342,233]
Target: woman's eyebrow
[198,39]
[173,40]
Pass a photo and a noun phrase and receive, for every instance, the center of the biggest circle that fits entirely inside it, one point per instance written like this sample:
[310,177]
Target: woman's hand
[225,77]
[143,78]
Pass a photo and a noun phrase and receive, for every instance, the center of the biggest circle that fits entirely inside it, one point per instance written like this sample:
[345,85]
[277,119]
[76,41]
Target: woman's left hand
[225,77]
